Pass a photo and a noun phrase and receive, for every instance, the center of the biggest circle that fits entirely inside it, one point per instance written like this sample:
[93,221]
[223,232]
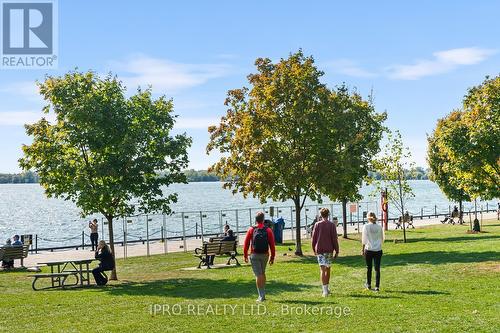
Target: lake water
[24,209]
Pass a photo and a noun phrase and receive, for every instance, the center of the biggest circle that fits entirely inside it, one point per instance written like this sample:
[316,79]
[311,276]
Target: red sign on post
[353,208]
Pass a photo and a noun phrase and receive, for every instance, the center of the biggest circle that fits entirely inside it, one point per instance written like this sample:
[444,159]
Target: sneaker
[376,289]
[260,299]
[326,294]
[367,286]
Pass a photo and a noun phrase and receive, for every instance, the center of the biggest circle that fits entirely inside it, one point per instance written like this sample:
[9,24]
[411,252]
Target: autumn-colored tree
[280,138]
[107,153]
[464,150]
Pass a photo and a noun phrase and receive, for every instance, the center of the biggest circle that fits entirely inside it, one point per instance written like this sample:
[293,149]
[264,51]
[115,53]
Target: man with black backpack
[260,239]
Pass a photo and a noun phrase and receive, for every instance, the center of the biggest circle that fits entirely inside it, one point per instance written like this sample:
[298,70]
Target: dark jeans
[94,237]
[373,256]
[99,276]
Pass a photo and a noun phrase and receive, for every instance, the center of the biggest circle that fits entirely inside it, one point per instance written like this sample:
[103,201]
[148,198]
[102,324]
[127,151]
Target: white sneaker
[367,286]
[326,294]
[260,299]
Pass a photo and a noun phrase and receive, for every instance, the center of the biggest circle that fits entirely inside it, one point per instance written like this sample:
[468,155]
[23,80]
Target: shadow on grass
[371,294]
[428,257]
[191,288]
[418,292]
[471,237]
[302,302]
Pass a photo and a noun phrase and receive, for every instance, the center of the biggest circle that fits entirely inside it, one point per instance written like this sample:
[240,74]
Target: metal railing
[201,224]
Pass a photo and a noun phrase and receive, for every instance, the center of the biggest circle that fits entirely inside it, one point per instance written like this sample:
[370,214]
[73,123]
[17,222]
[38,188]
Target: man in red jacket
[325,246]
[260,240]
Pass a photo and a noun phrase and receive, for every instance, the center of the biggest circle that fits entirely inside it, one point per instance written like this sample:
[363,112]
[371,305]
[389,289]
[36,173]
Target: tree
[469,140]
[391,165]
[357,130]
[478,158]
[279,139]
[444,171]
[107,153]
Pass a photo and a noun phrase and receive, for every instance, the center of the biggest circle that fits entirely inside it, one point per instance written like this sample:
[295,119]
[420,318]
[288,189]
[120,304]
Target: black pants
[99,277]
[374,256]
[8,263]
[94,237]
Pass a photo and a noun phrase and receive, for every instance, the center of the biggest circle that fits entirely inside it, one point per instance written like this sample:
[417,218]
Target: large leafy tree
[391,165]
[478,153]
[444,171]
[107,153]
[356,130]
[280,137]
[469,141]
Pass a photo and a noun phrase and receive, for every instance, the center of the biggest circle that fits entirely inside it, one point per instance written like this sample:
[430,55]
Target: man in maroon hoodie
[261,239]
[325,246]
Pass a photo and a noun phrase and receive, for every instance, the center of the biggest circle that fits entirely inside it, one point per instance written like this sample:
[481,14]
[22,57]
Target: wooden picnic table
[79,266]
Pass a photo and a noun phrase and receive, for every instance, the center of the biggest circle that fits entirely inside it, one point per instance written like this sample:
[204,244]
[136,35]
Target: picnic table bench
[58,280]
[61,270]
[14,252]
[216,248]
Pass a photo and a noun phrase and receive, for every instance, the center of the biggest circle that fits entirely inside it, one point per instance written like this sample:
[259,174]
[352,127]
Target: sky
[418,57]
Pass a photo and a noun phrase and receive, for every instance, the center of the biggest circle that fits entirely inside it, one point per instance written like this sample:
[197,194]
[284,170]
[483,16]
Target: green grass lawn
[443,280]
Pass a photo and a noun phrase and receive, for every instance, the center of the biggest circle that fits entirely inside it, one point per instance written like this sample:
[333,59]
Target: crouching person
[107,263]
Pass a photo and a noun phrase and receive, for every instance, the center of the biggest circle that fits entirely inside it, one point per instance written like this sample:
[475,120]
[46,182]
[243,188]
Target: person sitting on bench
[7,263]
[228,237]
[17,241]
[107,263]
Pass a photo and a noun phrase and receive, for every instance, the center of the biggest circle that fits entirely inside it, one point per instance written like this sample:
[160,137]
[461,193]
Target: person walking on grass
[372,239]
[260,240]
[325,245]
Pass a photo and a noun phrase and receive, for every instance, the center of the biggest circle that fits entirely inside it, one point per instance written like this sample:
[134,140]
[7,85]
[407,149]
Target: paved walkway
[139,249]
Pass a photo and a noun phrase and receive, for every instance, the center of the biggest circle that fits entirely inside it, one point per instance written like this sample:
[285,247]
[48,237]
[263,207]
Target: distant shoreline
[193,176]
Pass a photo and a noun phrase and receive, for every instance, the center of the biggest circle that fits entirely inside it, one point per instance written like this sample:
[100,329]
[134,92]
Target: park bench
[451,218]
[58,280]
[14,252]
[408,221]
[216,248]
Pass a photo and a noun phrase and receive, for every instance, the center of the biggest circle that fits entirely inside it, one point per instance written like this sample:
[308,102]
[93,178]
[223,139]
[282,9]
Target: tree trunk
[298,241]
[400,176]
[112,245]
[460,215]
[344,218]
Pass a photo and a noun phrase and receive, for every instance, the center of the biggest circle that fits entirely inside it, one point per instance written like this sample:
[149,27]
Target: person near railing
[94,236]
[7,263]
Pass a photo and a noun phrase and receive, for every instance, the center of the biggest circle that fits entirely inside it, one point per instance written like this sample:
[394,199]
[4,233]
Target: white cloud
[164,75]
[195,122]
[348,67]
[27,89]
[19,118]
[443,62]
